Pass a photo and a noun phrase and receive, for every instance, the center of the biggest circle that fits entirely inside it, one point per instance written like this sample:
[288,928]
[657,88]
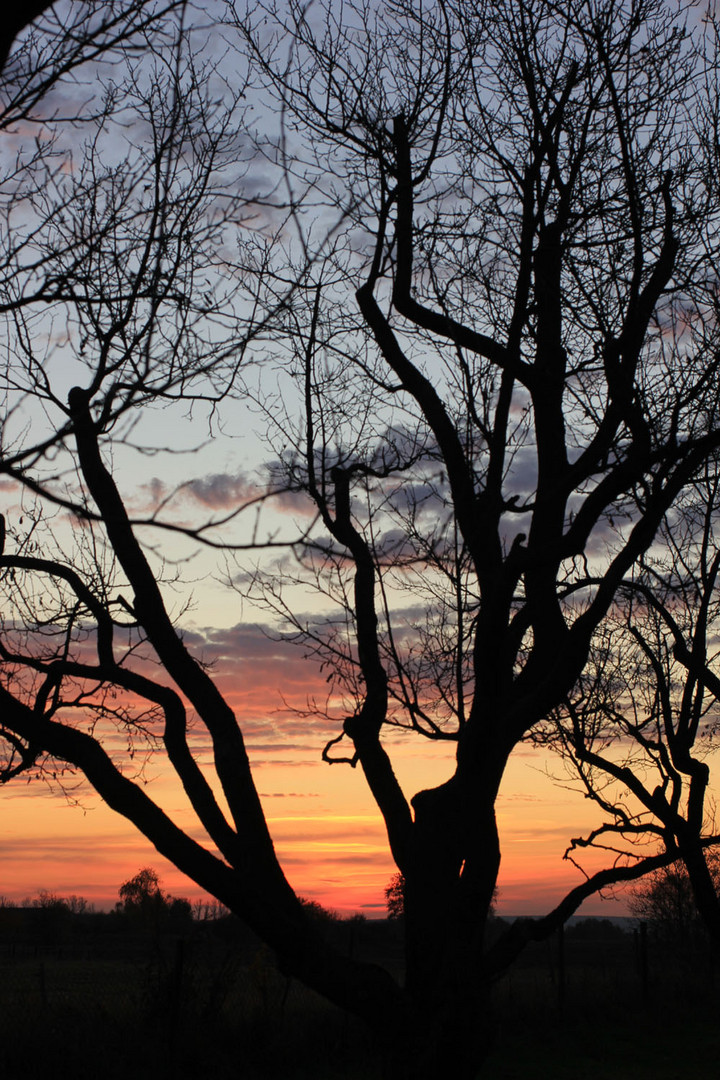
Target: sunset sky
[328,833]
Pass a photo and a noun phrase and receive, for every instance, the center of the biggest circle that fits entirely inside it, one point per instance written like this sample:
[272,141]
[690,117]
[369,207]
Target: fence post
[43,985]
[642,959]
[175,995]
[561,966]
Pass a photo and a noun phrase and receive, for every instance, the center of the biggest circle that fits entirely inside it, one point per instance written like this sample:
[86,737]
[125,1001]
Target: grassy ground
[91,1019]
[191,1017]
[634,1050]
[607,1026]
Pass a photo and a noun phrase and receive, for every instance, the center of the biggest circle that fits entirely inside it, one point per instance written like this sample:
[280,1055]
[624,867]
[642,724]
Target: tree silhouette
[485,272]
[142,898]
[142,890]
[665,900]
[15,21]
[395,897]
[641,721]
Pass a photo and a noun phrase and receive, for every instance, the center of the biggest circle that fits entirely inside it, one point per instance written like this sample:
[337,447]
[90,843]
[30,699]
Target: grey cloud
[222,490]
[522,473]
[250,641]
[294,502]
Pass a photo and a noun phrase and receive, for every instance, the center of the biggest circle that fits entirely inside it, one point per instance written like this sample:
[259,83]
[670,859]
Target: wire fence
[177,1006]
[172,1008]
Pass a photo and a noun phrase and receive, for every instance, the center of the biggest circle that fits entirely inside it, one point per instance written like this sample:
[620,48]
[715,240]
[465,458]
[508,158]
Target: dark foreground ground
[208,1003]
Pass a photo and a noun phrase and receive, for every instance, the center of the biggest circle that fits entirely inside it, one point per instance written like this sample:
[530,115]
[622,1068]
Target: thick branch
[14,20]
[359,987]
[364,728]
[231,759]
[436,322]
[523,931]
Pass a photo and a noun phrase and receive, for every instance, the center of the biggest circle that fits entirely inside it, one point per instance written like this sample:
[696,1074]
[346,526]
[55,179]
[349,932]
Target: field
[212,1005]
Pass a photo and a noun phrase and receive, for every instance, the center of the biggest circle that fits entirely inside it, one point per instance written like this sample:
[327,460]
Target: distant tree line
[141,899]
[663,900]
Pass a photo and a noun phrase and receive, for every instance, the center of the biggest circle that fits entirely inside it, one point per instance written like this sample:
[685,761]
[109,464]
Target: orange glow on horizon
[329,836]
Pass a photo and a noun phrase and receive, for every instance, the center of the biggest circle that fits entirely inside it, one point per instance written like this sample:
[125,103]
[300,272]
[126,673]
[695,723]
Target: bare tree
[127,232]
[487,265]
[494,436]
[53,43]
[639,728]
[15,22]
[665,900]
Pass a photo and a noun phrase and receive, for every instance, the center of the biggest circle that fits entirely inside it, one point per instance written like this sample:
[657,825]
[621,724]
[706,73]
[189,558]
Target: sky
[328,833]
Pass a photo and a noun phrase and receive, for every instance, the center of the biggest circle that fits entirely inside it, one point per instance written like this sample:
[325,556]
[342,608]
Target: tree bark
[442,1035]
[447,1029]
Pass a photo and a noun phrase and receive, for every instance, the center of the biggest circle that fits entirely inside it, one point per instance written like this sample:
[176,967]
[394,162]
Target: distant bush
[317,912]
[395,897]
[595,930]
[664,900]
[143,901]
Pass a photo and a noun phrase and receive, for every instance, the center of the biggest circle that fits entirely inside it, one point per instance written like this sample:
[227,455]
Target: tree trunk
[704,889]
[441,1036]
[447,1027]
